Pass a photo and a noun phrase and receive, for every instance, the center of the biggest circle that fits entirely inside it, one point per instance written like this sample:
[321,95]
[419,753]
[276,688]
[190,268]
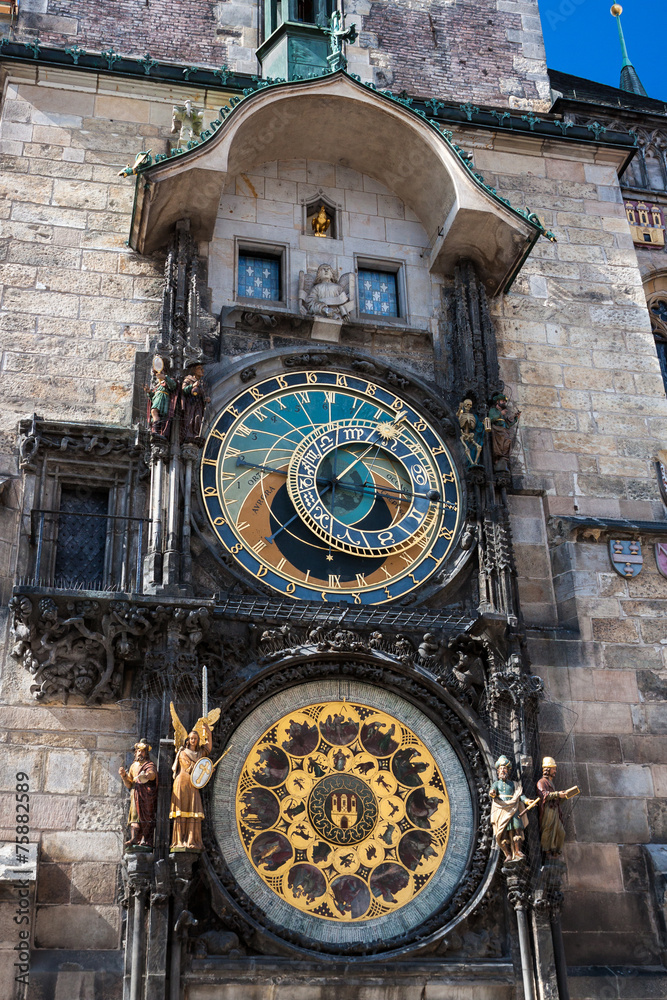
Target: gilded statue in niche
[187,810]
[321,222]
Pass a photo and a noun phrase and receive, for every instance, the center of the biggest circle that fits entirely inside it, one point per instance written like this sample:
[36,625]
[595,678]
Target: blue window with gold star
[259,277]
[378,292]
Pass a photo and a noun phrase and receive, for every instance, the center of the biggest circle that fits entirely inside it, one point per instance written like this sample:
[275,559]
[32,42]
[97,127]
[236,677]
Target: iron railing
[86,551]
[342,615]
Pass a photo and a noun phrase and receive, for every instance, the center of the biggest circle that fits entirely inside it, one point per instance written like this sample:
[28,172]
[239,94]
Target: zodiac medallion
[342,811]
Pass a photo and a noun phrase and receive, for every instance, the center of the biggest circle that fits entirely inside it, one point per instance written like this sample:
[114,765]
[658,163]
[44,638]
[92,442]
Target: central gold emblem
[342,811]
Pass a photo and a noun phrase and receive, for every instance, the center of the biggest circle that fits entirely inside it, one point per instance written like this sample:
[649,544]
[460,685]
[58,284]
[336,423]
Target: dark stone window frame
[59,460]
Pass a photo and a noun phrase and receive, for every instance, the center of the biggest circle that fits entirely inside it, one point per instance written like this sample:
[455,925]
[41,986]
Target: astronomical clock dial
[343,813]
[329,487]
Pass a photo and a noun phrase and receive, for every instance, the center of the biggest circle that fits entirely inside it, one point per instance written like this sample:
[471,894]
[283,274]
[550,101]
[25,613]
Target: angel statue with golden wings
[186,810]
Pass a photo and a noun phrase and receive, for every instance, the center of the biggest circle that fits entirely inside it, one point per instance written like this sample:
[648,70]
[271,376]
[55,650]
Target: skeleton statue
[326,294]
[187,121]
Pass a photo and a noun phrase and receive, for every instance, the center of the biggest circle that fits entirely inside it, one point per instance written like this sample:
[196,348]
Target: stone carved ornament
[326,294]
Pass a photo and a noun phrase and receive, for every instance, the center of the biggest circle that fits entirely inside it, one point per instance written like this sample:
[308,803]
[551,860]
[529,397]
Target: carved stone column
[517,875]
[137,872]
[153,560]
[189,454]
[181,865]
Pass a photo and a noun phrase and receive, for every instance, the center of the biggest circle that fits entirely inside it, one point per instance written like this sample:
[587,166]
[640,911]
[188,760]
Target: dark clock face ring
[373,518]
[405,487]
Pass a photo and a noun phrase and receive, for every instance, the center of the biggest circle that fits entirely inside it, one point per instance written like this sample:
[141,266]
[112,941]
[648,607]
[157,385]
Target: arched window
[657,307]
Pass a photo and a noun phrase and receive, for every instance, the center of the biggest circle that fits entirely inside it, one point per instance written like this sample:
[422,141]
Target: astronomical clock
[346,817]
[330,487]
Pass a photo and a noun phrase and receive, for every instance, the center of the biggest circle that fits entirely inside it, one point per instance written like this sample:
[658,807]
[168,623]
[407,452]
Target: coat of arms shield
[626,556]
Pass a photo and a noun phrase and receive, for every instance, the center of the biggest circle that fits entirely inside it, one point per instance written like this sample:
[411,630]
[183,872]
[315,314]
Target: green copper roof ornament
[338,34]
[630,81]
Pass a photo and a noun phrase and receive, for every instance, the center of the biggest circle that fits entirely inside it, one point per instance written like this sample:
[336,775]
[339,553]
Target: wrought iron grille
[86,548]
[82,535]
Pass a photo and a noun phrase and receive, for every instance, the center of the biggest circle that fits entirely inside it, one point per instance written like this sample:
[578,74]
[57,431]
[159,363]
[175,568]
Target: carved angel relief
[326,294]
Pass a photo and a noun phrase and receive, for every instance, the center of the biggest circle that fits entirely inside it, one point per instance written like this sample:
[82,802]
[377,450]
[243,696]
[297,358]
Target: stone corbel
[574,528]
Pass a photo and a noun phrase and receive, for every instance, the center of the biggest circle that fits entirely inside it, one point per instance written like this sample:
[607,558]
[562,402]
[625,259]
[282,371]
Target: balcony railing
[85,551]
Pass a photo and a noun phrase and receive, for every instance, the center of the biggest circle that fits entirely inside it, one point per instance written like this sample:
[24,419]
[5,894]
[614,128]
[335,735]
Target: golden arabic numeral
[357,598]
[413,577]
[218,521]
[255,393]
[311,378]
[397,404]
[209,461]
[262,571]
[420,425]
[282,381]
[370,389]
[438,450]
[341,380]
[210,491]
[446,533]
[218,435]
[234,412]
[323,595]
[290,588]
[387,592]
[235,549]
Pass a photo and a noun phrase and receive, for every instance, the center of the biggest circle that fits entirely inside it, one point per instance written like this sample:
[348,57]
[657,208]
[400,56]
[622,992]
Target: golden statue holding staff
[187,810]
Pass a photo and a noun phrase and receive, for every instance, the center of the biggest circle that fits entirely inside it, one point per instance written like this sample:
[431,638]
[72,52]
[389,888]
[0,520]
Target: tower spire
[630,81]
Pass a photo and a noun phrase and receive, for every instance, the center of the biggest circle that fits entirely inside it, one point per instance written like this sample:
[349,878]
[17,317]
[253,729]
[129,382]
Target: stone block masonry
[76,302]
[490,52]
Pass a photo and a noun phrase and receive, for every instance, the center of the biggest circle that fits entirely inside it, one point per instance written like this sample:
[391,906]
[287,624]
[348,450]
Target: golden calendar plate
[342,811]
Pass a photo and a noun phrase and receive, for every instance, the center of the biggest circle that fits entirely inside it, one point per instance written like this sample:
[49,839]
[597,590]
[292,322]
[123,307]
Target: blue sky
[581,37]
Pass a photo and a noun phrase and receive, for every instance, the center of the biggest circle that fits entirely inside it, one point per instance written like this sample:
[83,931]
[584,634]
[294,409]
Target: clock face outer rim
[467,742]
[418,396]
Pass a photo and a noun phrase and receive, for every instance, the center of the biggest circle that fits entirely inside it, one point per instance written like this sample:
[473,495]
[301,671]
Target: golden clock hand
[270,538]
[389,423]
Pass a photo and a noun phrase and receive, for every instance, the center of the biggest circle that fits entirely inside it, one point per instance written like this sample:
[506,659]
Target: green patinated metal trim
[406,102]
[200,77]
